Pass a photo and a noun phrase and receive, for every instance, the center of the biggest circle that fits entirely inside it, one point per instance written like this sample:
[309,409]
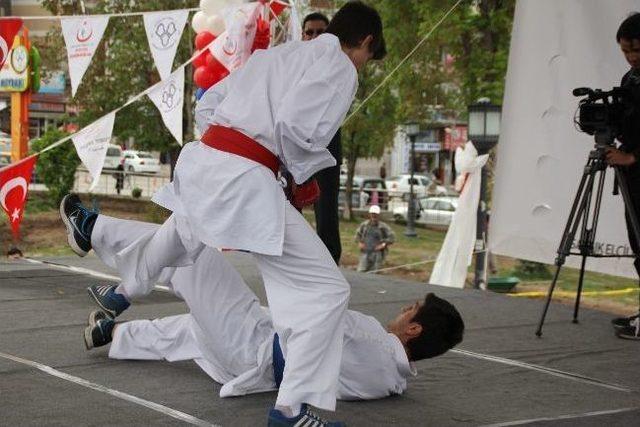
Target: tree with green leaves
[57,167]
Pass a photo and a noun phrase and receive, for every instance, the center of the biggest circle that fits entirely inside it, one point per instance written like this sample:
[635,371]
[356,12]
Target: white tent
[556,46]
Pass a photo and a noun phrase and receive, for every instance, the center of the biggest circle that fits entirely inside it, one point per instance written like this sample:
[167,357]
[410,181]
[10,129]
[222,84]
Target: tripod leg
[548,300]
[579,292]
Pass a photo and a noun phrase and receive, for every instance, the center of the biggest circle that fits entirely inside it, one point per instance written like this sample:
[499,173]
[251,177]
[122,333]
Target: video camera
[602,113]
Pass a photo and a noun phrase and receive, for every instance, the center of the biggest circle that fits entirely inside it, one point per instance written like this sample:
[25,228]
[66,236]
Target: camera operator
[628,155]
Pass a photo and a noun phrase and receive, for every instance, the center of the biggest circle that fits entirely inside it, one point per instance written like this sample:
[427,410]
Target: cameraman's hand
[619,158]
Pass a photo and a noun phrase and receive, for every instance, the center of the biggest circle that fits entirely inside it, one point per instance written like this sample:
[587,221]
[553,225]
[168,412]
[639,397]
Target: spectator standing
[374,238]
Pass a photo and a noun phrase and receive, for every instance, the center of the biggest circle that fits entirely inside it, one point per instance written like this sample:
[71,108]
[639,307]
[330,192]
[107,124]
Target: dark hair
[315,16]
[442,329]
[354,22]
[630,28]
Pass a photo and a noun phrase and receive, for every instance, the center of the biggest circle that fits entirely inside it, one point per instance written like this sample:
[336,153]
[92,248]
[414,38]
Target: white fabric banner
[81,37]
[233,47]
[556,46]
[164,30]
[456,252]
[91,144]
[168,98]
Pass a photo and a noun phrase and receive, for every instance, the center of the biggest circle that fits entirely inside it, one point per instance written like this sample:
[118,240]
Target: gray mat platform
[43,311]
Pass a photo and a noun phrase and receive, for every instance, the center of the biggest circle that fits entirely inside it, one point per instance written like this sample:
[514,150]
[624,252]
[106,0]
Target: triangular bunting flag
[168,98]
[81,36]
[9,27]
[164,30]
[91,145]
[14,186]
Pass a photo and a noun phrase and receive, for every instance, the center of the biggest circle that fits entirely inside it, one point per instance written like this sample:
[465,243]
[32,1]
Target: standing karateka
[280,109]
[234,341]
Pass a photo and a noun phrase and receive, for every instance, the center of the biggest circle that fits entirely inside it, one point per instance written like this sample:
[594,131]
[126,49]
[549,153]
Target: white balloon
[199,22]
[215,24]
[211,7]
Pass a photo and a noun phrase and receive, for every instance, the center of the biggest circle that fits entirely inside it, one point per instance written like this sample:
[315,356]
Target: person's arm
[311,113]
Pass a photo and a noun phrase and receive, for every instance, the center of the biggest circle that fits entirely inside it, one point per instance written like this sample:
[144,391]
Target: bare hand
[361,245]
[620,158]
[381,246]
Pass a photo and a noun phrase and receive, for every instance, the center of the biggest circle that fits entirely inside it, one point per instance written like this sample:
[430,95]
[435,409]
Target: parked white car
[140,161]
[113,157]
[422,185]
[431,211]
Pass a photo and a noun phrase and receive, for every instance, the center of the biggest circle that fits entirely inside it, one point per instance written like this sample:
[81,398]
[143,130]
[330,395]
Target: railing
[148,183]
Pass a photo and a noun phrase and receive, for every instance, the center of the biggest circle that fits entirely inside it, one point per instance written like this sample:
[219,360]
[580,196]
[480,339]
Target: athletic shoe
[79,222]
[632,332]
[623,322]
[306,418]
[98,334]
[95,316]
[111,302]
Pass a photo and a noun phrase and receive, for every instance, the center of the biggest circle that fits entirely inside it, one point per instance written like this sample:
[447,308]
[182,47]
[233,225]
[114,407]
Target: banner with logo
[232,48]
[14,186]
[9,27]
[164,30]
[82,36]
[168,98]
[541,155]
[91,145]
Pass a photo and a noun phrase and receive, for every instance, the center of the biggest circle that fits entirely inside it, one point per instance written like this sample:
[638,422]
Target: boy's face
[361,54]
[631,51]
[403,323]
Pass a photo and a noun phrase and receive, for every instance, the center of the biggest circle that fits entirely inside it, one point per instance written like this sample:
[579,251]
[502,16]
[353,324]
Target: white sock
[120,290]
[289,411]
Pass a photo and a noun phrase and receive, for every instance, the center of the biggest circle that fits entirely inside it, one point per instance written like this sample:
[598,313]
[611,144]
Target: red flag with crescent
[9,27]
[14,184]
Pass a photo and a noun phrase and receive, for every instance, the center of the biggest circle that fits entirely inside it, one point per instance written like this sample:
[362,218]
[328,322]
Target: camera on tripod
[602,113]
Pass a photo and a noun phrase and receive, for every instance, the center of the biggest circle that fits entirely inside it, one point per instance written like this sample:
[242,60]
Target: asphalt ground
[575,375]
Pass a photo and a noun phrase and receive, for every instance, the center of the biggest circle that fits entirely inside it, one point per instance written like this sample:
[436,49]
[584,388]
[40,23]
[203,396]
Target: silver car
[431,211]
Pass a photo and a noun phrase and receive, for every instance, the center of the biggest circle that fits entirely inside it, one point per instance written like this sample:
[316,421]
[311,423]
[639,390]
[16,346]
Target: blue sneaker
[79,222]
[306,418]
[98,334]
[108,300]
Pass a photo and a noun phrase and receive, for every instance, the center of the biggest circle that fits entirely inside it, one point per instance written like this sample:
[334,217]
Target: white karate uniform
[236,349]
[291,99]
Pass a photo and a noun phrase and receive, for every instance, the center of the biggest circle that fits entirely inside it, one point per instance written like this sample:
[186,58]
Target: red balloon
[204,78]
[216,68]
[203,38]
[200,60]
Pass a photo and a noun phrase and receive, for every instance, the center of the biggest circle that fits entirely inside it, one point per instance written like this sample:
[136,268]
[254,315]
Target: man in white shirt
[281,108]
[233,339]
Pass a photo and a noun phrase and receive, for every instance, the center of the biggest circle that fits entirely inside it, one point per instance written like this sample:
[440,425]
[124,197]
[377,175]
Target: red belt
[231,141]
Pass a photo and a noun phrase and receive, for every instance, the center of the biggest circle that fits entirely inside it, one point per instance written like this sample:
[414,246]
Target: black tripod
[584,204]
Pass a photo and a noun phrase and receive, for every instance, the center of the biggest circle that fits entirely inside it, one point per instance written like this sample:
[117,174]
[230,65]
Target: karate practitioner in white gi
[232,339]
[289,100]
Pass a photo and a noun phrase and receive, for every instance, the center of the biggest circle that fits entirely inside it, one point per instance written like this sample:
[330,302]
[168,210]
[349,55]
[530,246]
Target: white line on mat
[562,417]
[544,369]
[119,394]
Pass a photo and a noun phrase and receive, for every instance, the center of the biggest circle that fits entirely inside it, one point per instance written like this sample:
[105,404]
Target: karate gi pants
[307,296]
[224,313]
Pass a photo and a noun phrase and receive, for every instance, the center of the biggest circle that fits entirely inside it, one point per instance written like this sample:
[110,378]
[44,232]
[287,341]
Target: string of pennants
[82,34]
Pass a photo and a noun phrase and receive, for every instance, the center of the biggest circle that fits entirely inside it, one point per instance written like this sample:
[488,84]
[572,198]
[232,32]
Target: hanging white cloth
[456,252]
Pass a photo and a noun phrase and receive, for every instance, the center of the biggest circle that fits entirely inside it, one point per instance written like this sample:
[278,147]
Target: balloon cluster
[208,25]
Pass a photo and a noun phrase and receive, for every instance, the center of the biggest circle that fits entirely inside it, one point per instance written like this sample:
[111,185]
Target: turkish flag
[14,184]
[9,27]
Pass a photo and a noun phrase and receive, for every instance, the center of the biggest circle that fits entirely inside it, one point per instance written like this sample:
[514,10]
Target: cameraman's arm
[620,158]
